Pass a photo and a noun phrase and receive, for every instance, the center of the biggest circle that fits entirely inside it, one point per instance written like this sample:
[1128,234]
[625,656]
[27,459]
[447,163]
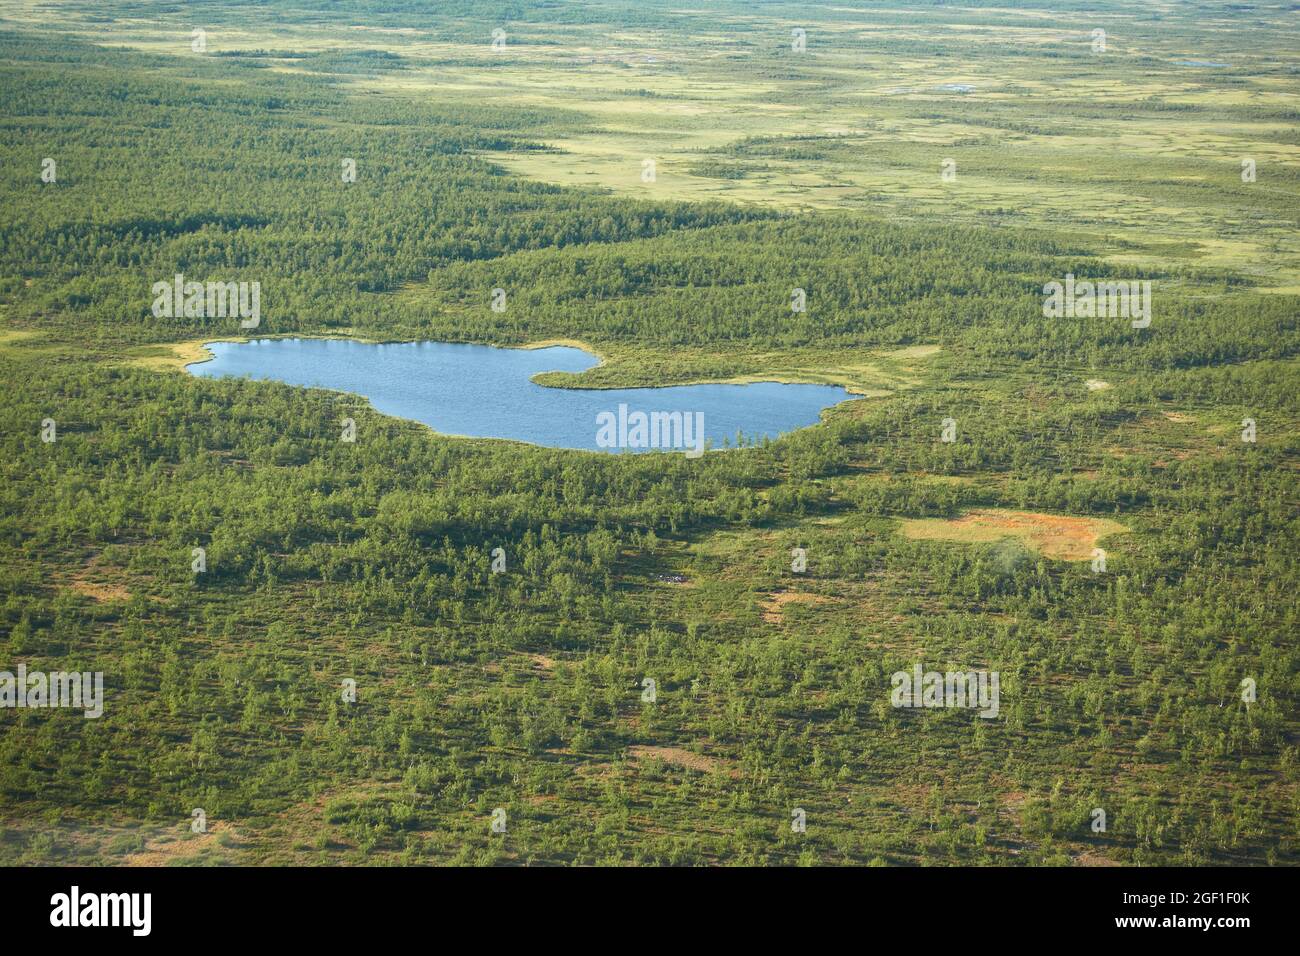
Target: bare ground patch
[542,662]
[163,851]
[773,609]
[94,580]
[1093,858]
[1061,537]
[100,592]
[678,757]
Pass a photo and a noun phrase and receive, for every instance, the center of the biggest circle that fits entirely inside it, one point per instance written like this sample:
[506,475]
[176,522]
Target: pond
[486,392]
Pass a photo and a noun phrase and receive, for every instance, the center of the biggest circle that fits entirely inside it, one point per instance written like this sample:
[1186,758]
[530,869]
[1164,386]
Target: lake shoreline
[491,392]
[196,352]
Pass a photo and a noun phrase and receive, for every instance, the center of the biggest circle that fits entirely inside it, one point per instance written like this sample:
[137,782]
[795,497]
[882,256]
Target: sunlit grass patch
[1061,537]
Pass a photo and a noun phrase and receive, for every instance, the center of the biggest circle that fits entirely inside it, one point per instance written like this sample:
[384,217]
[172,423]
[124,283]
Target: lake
[485,392]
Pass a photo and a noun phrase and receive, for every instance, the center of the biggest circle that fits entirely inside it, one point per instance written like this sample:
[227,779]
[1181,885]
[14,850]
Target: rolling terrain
[522,167]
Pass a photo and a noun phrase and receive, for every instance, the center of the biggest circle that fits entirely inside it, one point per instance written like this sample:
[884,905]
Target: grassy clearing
[1060,537]
[174,356]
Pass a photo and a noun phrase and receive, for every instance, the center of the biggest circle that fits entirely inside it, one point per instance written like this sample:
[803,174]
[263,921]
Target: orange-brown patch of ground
[1061,537]
[98,591]
[1013,803]
[100,581]
[1093,858]
[773,608]
[162,851]
[677,757]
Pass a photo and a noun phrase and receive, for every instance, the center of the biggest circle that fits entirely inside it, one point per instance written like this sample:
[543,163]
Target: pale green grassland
[1132,148]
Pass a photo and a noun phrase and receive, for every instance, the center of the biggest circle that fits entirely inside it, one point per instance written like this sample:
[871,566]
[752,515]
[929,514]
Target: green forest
[329,562]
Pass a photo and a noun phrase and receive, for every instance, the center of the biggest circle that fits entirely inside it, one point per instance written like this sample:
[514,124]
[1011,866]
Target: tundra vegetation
[520,168]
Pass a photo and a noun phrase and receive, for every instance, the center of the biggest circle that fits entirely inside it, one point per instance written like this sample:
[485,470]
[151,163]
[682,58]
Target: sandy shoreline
[179,356]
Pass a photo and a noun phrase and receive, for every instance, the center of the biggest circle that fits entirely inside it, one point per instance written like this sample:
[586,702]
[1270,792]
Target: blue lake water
[486,392]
